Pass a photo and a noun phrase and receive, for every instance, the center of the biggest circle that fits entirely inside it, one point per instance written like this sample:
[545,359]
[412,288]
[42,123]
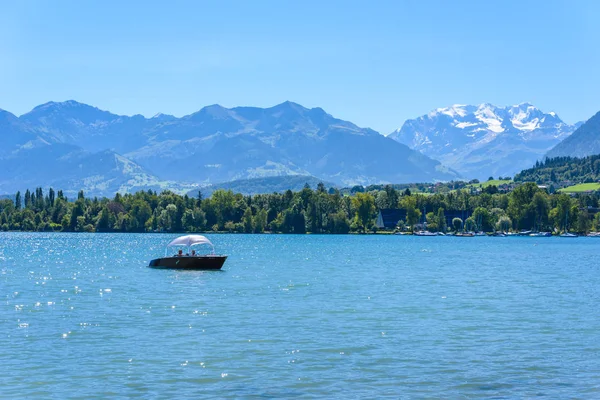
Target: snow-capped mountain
[95,149]
[485,140]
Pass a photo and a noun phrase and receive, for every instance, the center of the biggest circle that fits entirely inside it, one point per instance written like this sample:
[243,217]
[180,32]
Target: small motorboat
[568,235]
[425,233]
[540,234]
[189,260]
[464,234]
[524,233]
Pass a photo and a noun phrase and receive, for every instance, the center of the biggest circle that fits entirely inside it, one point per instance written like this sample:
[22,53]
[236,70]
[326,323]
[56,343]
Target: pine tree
[39,198]
[247,221]
[27,198]
[18,201]
[51,197]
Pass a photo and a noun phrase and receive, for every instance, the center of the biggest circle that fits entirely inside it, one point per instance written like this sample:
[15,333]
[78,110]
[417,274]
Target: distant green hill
[264,185]
[563,171]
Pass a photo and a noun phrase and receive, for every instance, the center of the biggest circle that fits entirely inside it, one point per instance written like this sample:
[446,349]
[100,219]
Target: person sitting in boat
[193,253]
[180,253]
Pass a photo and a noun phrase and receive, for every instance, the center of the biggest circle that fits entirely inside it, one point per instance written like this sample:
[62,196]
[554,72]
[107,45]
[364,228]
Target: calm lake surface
[300,316]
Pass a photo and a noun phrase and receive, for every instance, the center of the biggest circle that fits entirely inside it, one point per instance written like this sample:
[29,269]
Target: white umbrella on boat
[191,240]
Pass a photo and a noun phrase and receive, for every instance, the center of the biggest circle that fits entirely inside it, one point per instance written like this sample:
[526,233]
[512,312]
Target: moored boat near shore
[425,233]
[568,235]
[465,234]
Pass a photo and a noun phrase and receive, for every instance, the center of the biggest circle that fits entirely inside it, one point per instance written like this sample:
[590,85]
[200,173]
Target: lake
[300,316]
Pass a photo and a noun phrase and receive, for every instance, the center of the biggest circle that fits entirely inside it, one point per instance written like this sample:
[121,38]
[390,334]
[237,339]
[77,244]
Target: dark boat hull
[191,263]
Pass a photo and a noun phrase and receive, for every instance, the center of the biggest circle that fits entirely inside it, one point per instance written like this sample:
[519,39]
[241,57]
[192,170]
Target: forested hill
[563,169]
[271,184]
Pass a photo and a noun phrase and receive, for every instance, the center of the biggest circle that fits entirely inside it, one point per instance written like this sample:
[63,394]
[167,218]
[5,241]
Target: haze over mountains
[585,141]
[75,146]
[485,140]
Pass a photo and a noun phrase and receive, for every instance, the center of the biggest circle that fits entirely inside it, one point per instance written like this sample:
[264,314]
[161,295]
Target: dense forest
[315,211]
[562,169]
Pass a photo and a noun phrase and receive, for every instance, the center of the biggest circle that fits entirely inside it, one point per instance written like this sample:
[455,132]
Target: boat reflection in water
[189,260]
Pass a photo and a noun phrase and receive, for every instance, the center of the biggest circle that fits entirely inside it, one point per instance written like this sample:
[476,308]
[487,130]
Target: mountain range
[485,140]
[73,146]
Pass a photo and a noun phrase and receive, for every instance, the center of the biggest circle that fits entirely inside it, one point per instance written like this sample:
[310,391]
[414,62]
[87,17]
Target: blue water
[300,316]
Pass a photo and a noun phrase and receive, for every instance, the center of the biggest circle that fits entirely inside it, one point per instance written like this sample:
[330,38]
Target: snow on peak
[457,110]
[524,117]
[487,114]
[524,105]
[487,106]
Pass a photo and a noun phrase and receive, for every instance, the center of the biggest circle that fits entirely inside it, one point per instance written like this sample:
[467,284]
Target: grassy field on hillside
[582,187]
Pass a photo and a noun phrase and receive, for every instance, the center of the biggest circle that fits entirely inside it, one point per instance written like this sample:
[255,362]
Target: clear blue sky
[373,63]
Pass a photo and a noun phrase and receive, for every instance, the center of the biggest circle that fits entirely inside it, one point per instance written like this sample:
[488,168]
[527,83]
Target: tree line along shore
[527,207]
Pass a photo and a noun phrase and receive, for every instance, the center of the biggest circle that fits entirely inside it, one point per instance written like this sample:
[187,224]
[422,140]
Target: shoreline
[379,233]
